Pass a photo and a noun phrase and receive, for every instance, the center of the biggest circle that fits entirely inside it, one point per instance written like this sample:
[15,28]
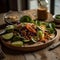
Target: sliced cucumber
[17,43]
[7,36]
[33,40]
[9,27]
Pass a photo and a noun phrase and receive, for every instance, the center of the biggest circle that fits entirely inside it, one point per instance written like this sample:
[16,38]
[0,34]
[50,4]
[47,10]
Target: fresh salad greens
[26,19]
[29,32]
[51,27]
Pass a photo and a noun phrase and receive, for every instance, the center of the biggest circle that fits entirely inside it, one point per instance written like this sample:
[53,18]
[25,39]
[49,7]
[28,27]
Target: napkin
[2,55]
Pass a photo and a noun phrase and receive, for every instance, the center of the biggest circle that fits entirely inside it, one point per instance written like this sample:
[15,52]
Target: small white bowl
[11,17]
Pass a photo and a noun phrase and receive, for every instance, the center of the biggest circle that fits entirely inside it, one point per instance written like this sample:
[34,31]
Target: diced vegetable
[43,27]
[38,28]
[33,40]
[52,35]
[51,27]
[16,38]
[7,36]
[17,43]
[50,30]
[43,23]
[40,34]
[37,22]
[25,41]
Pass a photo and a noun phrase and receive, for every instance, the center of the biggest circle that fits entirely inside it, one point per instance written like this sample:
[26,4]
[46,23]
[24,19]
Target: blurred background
[18,5]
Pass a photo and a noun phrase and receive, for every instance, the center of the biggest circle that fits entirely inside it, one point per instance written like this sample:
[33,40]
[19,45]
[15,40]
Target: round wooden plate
[30,48]
[38,45]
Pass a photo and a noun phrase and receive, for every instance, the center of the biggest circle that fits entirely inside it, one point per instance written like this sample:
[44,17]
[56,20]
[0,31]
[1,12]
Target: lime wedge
[7,36]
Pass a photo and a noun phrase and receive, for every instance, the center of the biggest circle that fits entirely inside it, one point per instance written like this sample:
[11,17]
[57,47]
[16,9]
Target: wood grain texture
[37,55]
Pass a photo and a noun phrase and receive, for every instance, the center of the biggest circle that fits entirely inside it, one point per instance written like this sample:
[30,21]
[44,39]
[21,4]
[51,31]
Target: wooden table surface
[37,55]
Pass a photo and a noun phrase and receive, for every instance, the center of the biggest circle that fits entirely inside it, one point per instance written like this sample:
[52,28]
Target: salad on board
[28,32]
